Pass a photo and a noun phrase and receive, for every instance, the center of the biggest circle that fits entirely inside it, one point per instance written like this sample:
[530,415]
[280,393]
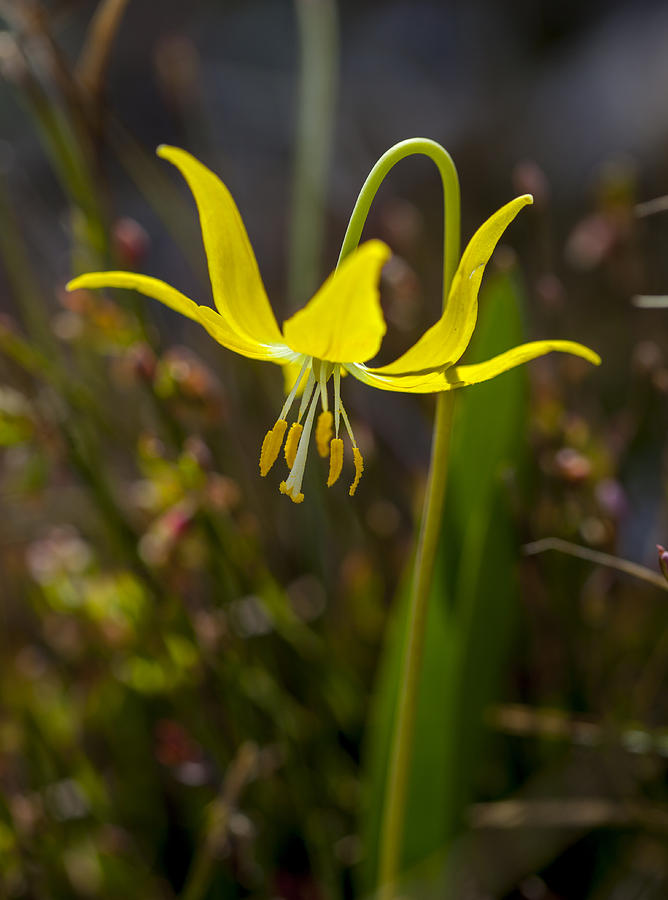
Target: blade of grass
[318,81]
[96,51]
[65,149]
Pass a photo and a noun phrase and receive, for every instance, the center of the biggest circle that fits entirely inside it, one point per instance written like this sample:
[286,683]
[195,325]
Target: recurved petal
[460,376]
[444,343]
[226,333]
[237,287]
[223,332]
[143,284]
[343,321]
[416,383]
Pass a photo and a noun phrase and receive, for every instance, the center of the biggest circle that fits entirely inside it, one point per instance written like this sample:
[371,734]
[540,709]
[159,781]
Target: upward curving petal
[430,382]
[461,376]
[412,383]
[443,344]
[143,284]
[224,332]
[343,321]
[235,278]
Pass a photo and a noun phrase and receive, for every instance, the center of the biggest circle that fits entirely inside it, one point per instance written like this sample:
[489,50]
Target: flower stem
[394,812]
[451,208]
[392,824]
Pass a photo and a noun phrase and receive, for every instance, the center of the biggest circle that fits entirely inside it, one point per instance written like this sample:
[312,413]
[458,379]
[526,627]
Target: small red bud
[663,560]
[199,451]
[142,361]
[131,243]
[571,465]
[177,519]
[529,178]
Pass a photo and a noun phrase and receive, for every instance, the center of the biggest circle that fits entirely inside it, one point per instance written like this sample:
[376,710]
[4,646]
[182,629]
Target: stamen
[323,432]
[291,443]
[271,446]
[306,396]
[346,421]
[293,484]
[337,398]
[295,387]
[335,460]
[359,468]
[323,386]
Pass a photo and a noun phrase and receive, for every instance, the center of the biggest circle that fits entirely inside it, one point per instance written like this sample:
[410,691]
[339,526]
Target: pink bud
[663,560]
[571,465]
[131,242]
[529,178]
[142,361]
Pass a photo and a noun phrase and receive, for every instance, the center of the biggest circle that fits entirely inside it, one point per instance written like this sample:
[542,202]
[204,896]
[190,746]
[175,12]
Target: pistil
[292,486]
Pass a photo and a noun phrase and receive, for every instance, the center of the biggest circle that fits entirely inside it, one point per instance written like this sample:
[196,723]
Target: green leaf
[472,606]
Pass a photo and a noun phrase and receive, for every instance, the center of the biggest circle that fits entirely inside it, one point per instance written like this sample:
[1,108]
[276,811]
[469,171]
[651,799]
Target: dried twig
[635,570]
[96,53]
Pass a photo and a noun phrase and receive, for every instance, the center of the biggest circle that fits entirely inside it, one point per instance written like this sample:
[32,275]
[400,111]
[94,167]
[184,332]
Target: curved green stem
[451,207]
[394,812]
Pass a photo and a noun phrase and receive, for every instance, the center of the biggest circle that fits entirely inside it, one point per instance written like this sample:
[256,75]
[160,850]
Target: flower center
[317,373]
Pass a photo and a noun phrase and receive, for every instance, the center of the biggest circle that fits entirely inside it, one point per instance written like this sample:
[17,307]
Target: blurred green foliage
[473,603]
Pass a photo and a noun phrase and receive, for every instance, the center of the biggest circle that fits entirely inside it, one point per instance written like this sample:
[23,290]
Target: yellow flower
[338,330]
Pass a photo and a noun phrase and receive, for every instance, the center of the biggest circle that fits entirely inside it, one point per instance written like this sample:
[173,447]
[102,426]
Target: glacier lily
[338,331]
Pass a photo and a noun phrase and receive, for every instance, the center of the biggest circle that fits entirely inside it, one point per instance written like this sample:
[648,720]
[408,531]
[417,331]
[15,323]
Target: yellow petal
[235,278]
[343,322]
[459,376]
[226,334]
[416,383]
[219,330]
[143,284]
[444,343]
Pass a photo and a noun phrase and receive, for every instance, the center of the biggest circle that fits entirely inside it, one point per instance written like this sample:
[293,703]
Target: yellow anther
[359,468]
[335,460]
[323,432]
[292,443]
[296,498]
[271,446]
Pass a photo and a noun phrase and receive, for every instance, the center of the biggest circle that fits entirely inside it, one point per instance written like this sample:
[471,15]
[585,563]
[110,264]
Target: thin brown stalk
[241,771]
[96,53]
[600,559]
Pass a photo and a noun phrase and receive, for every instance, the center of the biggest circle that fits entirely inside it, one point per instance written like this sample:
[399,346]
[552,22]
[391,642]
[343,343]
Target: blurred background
[197,677]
